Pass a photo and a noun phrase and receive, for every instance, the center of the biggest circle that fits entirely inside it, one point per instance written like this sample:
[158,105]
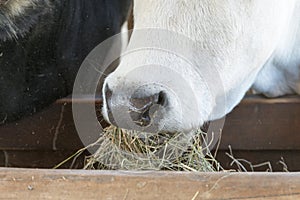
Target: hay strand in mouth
[132,150]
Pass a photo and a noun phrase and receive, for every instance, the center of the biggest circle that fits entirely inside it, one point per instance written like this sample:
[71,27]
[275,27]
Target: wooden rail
[76,184]
[258,130]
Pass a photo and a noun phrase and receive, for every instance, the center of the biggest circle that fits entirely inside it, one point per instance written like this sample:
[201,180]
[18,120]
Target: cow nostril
[145,118]
[161,98]
[143,109]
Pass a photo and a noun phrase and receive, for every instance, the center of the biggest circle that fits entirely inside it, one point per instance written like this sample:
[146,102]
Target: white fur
[238,36]
[281,74]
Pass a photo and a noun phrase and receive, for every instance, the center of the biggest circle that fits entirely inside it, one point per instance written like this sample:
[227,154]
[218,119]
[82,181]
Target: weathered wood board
[118,185]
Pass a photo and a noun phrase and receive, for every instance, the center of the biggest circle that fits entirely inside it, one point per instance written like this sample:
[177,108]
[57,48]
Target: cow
[243,43]
[42,45]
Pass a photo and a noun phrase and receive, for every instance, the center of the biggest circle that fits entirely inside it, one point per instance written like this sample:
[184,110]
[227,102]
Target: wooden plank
[263,124]
[51,129]
[67,184]
[41,159]
[290,158]
[257,124]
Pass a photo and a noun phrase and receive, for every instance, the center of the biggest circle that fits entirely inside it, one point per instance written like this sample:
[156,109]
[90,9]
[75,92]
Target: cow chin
[17,17]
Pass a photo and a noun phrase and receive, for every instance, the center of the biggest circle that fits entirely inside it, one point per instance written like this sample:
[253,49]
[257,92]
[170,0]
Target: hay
[131,150]
[120,149]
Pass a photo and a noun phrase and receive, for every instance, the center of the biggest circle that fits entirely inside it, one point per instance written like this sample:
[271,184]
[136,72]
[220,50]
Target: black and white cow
[246,42]
[42,45]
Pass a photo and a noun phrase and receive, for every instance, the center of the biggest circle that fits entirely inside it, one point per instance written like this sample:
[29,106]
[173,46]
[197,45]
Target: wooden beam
[267,126]
[75,184]
[258,123]
[261,160]
[41,159]
[51,129]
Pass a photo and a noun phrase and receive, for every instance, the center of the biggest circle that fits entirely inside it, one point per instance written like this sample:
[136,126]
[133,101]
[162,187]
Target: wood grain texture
[50,129]
[258,123]
[263,129]
[75,184]
[41,159]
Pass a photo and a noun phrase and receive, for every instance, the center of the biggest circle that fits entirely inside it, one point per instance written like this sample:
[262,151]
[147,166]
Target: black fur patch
[49,42]
[14,25]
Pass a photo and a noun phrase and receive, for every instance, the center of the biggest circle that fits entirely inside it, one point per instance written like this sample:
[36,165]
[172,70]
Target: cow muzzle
[143,110]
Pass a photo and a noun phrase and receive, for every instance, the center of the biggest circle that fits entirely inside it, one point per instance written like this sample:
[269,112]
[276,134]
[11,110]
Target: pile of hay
[131,150]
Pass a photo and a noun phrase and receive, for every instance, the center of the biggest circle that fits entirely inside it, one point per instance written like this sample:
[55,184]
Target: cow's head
[18,16]
[218,46]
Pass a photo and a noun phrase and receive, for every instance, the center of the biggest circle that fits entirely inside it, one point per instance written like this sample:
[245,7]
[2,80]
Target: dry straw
[131,150]
[120,149]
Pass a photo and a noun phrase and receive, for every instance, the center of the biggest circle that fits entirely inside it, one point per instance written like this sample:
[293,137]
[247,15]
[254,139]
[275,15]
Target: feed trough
[257,132]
